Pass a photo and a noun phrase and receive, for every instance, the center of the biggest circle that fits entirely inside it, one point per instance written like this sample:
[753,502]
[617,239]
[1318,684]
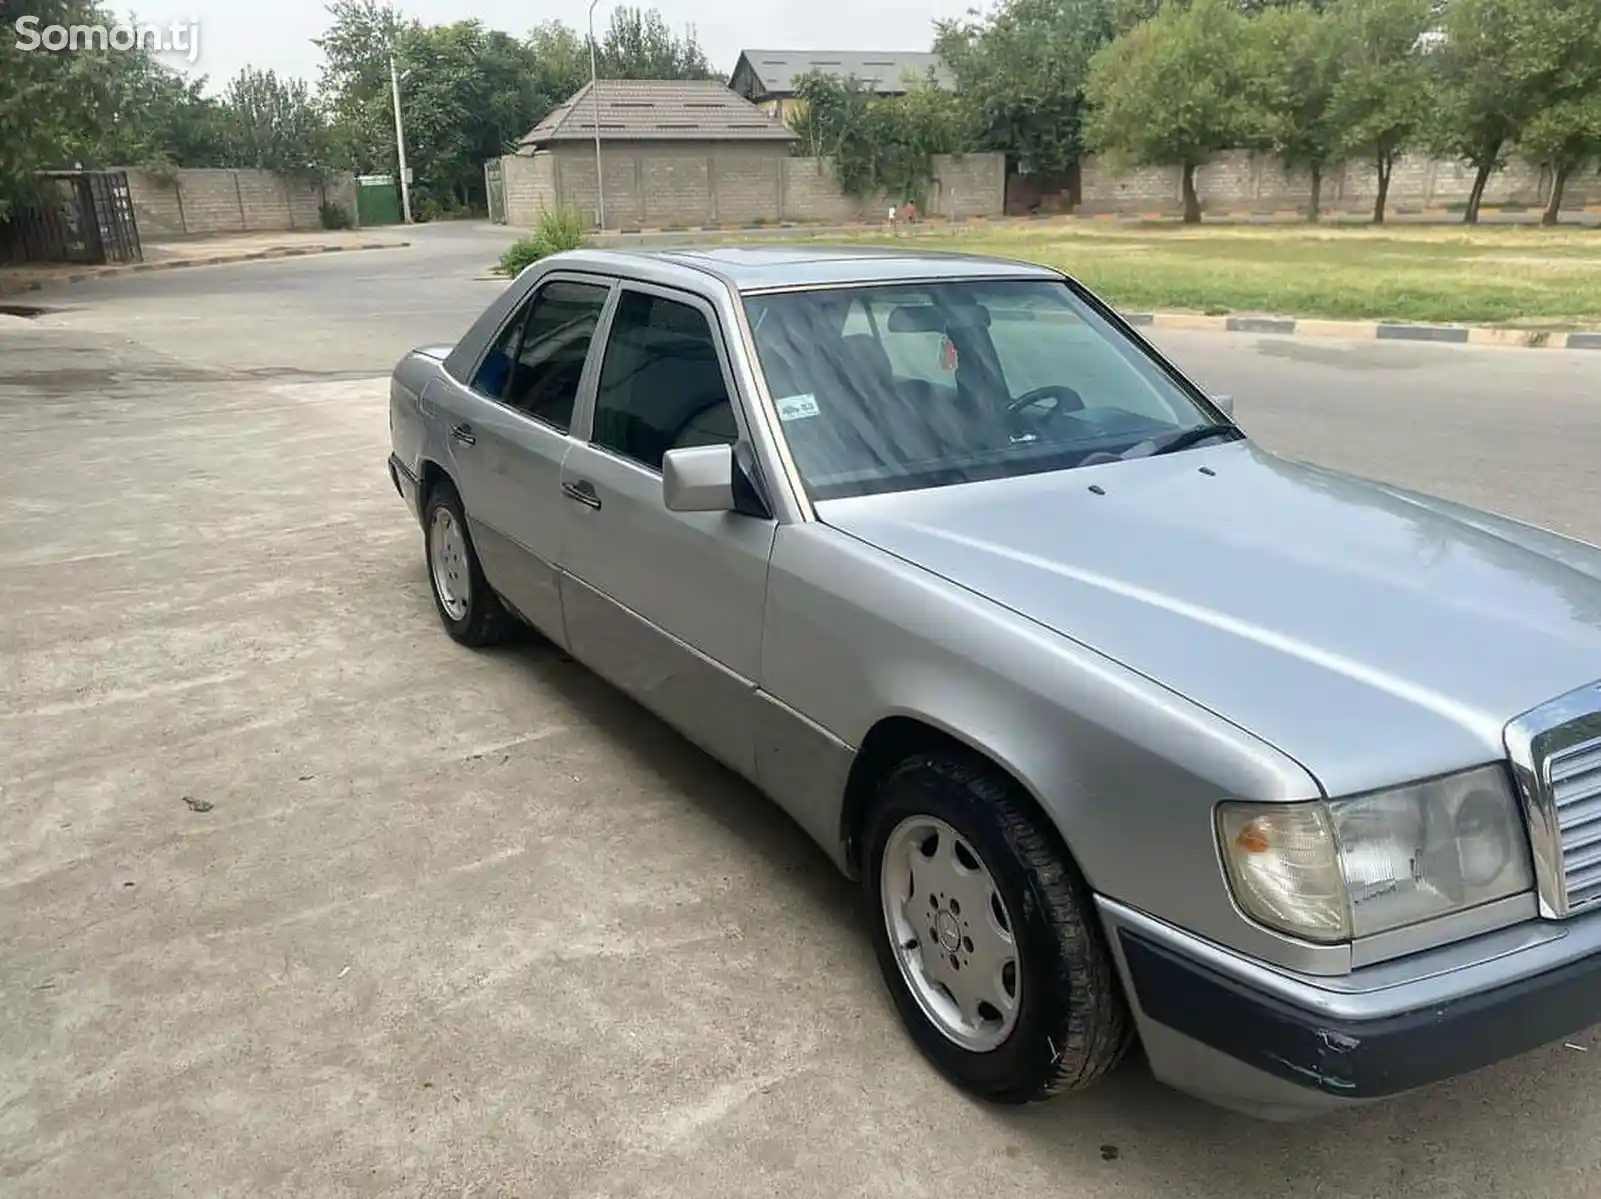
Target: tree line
[1320,84]
[469,94]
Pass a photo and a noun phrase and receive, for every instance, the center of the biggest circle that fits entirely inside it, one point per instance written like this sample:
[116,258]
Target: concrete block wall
[811,193]
[530,183]
[1141,189]
[1241,180]
[747,186]
[694,184]
[674,189]
[968,185]
[200,201]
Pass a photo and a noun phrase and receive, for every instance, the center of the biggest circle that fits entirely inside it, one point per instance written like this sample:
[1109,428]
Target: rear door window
[538,361]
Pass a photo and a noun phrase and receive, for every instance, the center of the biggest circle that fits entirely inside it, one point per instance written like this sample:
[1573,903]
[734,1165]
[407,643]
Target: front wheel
[986,936]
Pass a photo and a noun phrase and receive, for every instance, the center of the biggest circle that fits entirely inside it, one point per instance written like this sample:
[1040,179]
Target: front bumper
[1283,1046]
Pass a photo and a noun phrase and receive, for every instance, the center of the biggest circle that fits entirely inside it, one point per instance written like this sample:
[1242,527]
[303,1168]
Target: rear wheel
[469,609]
[986,936]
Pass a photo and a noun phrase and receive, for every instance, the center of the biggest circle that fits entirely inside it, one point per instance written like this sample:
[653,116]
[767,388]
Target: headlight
[1355,867]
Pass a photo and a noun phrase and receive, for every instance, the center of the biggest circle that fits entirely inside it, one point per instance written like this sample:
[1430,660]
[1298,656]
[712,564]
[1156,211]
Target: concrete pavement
[472,924]
[194,252]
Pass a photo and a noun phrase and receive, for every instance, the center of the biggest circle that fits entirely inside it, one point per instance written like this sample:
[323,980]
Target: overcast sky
[277,34]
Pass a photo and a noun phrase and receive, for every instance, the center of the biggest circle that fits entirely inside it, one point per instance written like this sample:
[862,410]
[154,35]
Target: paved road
[474,925]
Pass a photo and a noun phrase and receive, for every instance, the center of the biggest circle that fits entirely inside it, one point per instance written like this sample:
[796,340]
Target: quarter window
[538,361]
[661,383]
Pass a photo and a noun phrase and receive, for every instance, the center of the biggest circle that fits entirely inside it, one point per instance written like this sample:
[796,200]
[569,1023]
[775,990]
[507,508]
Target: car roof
[763,268]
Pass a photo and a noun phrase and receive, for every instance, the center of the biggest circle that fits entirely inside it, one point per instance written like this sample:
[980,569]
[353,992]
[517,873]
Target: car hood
[1373,635]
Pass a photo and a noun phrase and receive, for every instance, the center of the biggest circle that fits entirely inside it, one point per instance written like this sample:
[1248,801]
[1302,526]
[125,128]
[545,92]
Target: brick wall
[665,185]
[968,185]
[530,183]
[207,201]
[1239,180]
[747,186]
[811,193]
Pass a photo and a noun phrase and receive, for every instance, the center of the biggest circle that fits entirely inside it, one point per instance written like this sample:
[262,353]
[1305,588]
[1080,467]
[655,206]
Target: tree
[1382,97]
[1175,90]
[639,45]
[560,66]
[95,107]
[1563,138]
[276,126]
[1299,54]
[879,145]
[355,82]
[1564,134]
[1495,68]
[469,93]
[1021,72]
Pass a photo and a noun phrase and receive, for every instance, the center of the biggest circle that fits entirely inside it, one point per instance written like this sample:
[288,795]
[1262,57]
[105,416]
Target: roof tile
[657,109]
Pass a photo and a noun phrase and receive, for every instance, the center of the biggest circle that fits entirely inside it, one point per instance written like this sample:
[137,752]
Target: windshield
[903,386]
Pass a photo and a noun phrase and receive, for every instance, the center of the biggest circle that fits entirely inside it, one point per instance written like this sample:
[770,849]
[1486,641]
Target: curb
[1083,215]
[1462,335]
[175,264]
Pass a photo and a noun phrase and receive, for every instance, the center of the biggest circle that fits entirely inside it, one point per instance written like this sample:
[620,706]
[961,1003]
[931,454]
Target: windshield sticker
[797,407]
[948,357]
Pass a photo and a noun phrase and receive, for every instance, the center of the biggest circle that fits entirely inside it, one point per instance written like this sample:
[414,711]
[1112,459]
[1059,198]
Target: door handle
[582,492]
[464,434]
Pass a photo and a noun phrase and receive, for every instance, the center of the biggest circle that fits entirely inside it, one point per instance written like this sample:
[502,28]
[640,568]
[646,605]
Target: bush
[428,205]
[333,216]
[556,231]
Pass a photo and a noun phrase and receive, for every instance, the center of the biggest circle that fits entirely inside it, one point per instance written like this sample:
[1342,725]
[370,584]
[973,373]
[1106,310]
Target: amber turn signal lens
[1252,839]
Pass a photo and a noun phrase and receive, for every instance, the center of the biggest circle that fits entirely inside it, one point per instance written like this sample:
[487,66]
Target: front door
[667,605]
[508,433]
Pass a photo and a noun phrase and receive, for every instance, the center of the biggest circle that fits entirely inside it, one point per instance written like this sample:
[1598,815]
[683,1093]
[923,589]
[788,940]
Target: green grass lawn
[1523,277]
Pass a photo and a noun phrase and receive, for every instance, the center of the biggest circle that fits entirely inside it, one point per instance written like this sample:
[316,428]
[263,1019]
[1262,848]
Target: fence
[1241,180]
[194,202]
[694,185]
[77,216]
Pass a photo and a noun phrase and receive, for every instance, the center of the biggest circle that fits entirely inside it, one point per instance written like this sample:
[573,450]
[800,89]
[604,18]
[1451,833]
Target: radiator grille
[1573,777]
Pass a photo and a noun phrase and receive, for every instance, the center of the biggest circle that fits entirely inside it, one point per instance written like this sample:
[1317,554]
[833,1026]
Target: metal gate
[76,216]
[495,189]
[377,200]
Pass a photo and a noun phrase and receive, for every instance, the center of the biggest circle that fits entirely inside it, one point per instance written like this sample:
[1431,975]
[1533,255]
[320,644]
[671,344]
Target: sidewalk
[197,251]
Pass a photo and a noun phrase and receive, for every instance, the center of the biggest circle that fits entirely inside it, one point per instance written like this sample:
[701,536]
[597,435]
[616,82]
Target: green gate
[377,200]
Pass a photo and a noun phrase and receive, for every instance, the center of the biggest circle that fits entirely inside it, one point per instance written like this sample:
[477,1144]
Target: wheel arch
[901,735]
[429,478]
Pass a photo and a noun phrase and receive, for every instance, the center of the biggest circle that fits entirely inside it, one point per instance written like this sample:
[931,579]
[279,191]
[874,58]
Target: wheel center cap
[948,931]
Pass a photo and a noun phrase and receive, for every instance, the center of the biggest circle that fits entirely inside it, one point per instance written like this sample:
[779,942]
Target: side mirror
[699,479]
[1226,403]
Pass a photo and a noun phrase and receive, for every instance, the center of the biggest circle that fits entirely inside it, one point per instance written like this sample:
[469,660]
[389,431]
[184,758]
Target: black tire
[1073,1025]
[486,621]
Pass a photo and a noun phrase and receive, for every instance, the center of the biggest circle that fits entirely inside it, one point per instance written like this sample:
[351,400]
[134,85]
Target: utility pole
[594,100]
[400,140]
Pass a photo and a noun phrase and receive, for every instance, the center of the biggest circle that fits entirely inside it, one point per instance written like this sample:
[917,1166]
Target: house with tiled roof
[768,78]
[673,152]
[655,110]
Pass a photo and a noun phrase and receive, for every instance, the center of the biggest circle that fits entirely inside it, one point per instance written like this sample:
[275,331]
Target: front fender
[1129,772]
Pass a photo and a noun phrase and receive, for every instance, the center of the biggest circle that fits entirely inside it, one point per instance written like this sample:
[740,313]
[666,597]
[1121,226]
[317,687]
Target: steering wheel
[1067,400]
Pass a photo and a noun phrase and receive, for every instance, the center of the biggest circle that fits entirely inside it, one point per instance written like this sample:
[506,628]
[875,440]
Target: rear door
[667,605]
[508,432]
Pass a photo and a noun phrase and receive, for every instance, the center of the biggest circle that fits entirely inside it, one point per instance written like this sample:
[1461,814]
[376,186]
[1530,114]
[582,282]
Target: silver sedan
[1127,727]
